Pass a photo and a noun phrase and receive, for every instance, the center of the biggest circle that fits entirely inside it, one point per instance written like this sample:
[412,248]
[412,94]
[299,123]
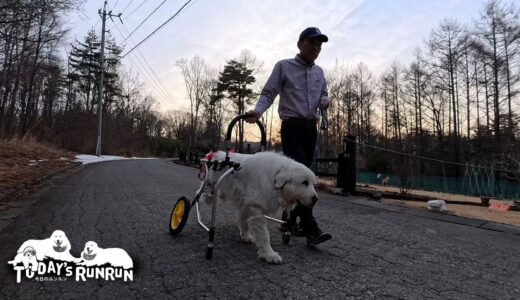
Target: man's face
[310,49]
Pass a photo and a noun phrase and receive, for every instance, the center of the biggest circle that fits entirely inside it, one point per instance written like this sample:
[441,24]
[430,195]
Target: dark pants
[298,142]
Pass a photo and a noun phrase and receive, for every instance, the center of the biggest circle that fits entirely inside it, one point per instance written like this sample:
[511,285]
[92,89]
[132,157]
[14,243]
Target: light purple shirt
[301,87]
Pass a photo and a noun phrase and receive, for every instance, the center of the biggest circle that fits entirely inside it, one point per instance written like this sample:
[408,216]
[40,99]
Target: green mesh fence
[468,185]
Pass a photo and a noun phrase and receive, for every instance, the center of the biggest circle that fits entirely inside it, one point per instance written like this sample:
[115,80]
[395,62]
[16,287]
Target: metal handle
[263,141]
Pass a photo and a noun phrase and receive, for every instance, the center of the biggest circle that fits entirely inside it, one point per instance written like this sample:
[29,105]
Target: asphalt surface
[377,251]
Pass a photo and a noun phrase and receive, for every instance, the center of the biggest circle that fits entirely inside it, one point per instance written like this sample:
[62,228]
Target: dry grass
[23,162]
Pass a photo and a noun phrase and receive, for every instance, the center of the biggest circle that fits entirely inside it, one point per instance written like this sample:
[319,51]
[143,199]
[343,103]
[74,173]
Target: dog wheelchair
[181,209]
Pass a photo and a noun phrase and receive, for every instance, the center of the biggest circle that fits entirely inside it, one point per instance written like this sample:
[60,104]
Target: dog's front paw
[246,237]
[272,258]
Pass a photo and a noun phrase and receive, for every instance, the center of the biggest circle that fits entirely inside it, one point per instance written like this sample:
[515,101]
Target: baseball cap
[312,32]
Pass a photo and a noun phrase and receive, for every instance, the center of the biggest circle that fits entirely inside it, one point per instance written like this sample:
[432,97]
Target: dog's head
[90,251]
[29,252]
[296,183]
[60,242]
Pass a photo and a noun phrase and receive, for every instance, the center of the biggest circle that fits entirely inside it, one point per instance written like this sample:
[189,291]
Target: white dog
[266,182]
[384,179]
[56,247]
[93,255]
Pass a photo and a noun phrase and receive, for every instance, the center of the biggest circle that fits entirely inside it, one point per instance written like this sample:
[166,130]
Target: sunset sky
[375,32]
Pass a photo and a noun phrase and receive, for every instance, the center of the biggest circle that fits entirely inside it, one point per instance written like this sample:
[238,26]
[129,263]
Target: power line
[115,4]
[153,80]
[431,159]
[161,26]
[150,79]
[162,90]
[133,11]
[138,26]
[152,70]
[129,2]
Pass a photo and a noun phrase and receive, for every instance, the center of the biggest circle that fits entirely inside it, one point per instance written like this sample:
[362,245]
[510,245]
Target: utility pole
[104,14]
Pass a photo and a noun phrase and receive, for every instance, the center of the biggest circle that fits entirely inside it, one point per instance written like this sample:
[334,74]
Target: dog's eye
[305,183]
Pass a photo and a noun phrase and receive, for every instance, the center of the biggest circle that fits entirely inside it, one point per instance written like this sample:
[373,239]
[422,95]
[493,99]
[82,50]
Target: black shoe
[317,239]
[314,234]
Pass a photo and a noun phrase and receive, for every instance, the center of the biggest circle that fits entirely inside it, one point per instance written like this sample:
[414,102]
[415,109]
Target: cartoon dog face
[29,252]
[90,251]
[60,242]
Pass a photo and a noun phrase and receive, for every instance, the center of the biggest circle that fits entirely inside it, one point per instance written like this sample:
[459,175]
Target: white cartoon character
[93,255]
[28,258]
[56,247]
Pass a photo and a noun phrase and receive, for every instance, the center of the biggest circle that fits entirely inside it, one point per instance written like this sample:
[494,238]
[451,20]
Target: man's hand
[324,104]
[254,116]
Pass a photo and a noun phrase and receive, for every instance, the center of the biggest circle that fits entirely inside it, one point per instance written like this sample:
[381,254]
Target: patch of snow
[63,158]
[90,159]
[33,164]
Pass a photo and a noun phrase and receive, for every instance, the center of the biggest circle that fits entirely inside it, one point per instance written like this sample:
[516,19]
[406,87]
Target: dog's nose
[314,200]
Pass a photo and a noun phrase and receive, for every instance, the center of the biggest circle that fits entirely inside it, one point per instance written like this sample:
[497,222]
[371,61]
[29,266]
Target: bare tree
[446,49]
[197,77]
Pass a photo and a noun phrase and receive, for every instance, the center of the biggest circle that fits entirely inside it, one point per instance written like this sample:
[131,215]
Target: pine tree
[84,61]
[233,84]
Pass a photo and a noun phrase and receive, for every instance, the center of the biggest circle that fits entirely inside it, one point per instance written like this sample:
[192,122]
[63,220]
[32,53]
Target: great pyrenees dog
[56,247]
[266,182]
[93,255]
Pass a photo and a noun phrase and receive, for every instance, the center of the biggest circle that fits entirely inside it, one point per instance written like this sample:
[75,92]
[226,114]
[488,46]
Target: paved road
[377,251]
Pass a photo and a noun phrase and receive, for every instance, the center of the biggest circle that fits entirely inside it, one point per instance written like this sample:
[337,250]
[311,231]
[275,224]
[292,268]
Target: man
[302,88]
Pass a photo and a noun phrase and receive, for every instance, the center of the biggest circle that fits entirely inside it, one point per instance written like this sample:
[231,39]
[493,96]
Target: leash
[324,125]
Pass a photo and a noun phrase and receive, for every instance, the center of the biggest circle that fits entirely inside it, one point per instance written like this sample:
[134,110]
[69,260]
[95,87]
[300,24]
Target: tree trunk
[468,116]
[487,98]
[495,86]
[29,104]
[476,96]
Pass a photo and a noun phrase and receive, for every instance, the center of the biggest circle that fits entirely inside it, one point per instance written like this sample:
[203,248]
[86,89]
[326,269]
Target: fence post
[347,165]
[350,151]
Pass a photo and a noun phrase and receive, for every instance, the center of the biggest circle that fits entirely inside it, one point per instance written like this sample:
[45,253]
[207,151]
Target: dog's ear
[281,177]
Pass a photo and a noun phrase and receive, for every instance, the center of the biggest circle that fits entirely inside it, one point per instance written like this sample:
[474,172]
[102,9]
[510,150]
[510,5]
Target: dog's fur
[266,182]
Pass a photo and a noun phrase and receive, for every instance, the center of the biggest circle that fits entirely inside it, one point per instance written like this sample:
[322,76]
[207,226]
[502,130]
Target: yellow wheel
[179,215]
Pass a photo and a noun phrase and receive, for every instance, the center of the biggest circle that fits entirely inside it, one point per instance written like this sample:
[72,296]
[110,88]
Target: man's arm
[269,92]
